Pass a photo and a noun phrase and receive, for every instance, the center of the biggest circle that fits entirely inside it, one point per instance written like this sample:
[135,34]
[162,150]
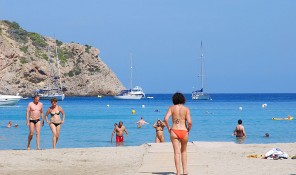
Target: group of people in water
[33,113]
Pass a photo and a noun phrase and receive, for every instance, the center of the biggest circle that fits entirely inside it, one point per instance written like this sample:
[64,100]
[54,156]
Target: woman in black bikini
[159,125]
[55,120]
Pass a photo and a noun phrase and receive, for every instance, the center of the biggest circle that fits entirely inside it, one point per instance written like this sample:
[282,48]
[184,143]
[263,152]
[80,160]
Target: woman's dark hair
[53,100]
[35,96]
[239,121]
[178,98]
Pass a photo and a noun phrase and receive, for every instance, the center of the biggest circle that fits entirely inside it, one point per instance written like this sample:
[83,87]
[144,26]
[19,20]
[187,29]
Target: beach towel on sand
[276,153]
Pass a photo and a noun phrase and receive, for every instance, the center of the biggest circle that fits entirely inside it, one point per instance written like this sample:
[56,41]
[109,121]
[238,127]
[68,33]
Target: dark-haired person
[159,126]
[55,121]
[181,125]
[239,132]
[34,110]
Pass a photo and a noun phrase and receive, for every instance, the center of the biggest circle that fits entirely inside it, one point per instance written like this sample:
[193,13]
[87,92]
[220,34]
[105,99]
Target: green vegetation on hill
[37,40]
[16,32]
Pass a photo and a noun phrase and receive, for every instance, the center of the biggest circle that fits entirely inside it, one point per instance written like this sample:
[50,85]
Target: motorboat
[9,100]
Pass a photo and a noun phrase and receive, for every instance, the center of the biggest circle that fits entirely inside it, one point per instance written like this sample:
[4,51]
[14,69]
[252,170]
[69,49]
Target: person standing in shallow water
[55,121]
[119,129]
[159,126]
[239,132]
[181,125]
[34,110]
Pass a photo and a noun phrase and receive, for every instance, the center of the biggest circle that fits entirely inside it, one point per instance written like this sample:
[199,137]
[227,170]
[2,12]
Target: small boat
[150,97]
[99,96]
[135,93]
[286,118]
[9,100]
[199,94]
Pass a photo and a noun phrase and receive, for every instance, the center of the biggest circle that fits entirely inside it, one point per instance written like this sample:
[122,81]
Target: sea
[90,120]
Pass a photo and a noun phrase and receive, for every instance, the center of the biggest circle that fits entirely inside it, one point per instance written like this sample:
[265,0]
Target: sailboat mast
[131,76]
[201,69]
[59,72]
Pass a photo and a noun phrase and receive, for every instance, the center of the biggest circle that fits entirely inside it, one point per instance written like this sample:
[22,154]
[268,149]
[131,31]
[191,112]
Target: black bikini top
[55,113]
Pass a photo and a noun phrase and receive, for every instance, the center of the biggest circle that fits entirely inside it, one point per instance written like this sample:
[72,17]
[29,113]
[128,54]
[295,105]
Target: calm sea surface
[89,120]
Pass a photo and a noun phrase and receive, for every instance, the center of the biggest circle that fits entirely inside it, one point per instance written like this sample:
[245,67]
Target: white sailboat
[54,88]
[9,100]
[199,94]
[135,93]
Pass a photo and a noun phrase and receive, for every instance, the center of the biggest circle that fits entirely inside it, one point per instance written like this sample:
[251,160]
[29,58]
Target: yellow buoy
[133,111]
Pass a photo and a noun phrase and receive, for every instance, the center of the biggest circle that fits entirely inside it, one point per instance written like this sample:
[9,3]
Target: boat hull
[127,97]
[9,100]
[59,97]
[201,96]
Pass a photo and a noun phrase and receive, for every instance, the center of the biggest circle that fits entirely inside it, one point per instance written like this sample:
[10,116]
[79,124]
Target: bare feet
[28,148]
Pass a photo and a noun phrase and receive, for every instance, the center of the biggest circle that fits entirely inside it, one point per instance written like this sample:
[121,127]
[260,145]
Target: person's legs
[38,126]
[54,135]
[157,139]
[58,133]
[184,142]
[30,136]
[162,139]
[176,146]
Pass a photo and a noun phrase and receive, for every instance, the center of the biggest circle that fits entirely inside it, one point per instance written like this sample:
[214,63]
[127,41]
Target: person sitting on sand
[239,129]
[119,129]
[181,125]
[159,125]
[141,122]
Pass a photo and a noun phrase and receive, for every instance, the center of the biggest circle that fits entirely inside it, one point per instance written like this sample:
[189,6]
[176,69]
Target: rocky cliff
[26,63]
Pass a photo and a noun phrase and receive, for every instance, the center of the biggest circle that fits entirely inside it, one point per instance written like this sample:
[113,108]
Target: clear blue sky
[249,46]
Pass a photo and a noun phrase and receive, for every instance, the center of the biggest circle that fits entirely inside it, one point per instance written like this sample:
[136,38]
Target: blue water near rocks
[89,120]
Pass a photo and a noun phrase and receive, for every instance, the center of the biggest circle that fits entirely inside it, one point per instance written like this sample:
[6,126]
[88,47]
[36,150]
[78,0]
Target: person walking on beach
[119,129]
[159,126]
[34,110]
[141,122]
[55,121]
[181,125]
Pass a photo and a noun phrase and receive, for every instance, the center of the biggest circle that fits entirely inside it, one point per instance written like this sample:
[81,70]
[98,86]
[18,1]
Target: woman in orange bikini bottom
[180,133]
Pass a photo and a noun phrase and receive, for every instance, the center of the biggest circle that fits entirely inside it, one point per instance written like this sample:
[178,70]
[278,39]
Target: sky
[248,46]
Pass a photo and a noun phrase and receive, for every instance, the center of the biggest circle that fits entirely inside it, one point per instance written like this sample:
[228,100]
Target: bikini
[55,113]
[180,133]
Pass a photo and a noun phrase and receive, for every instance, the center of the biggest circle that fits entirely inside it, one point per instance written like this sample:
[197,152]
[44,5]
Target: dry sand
[223,158]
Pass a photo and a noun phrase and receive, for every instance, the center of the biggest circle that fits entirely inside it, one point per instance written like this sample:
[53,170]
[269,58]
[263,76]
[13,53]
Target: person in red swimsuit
[181,125]
[119,129]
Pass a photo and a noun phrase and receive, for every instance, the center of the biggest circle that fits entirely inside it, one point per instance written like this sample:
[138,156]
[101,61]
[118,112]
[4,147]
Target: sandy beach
[223,158]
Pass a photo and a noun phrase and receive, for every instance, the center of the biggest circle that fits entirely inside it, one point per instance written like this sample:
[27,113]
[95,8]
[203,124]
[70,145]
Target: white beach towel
[276,153]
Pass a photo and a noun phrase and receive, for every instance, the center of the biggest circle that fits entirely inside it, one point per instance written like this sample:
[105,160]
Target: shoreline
[224,158]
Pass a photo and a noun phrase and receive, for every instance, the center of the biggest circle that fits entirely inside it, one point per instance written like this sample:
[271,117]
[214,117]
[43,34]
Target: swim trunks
[35,121]
[119,138]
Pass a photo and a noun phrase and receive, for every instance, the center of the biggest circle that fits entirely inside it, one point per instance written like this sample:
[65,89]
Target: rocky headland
[25,64]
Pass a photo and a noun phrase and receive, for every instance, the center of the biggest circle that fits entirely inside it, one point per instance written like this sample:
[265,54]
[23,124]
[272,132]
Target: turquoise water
[89,120]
